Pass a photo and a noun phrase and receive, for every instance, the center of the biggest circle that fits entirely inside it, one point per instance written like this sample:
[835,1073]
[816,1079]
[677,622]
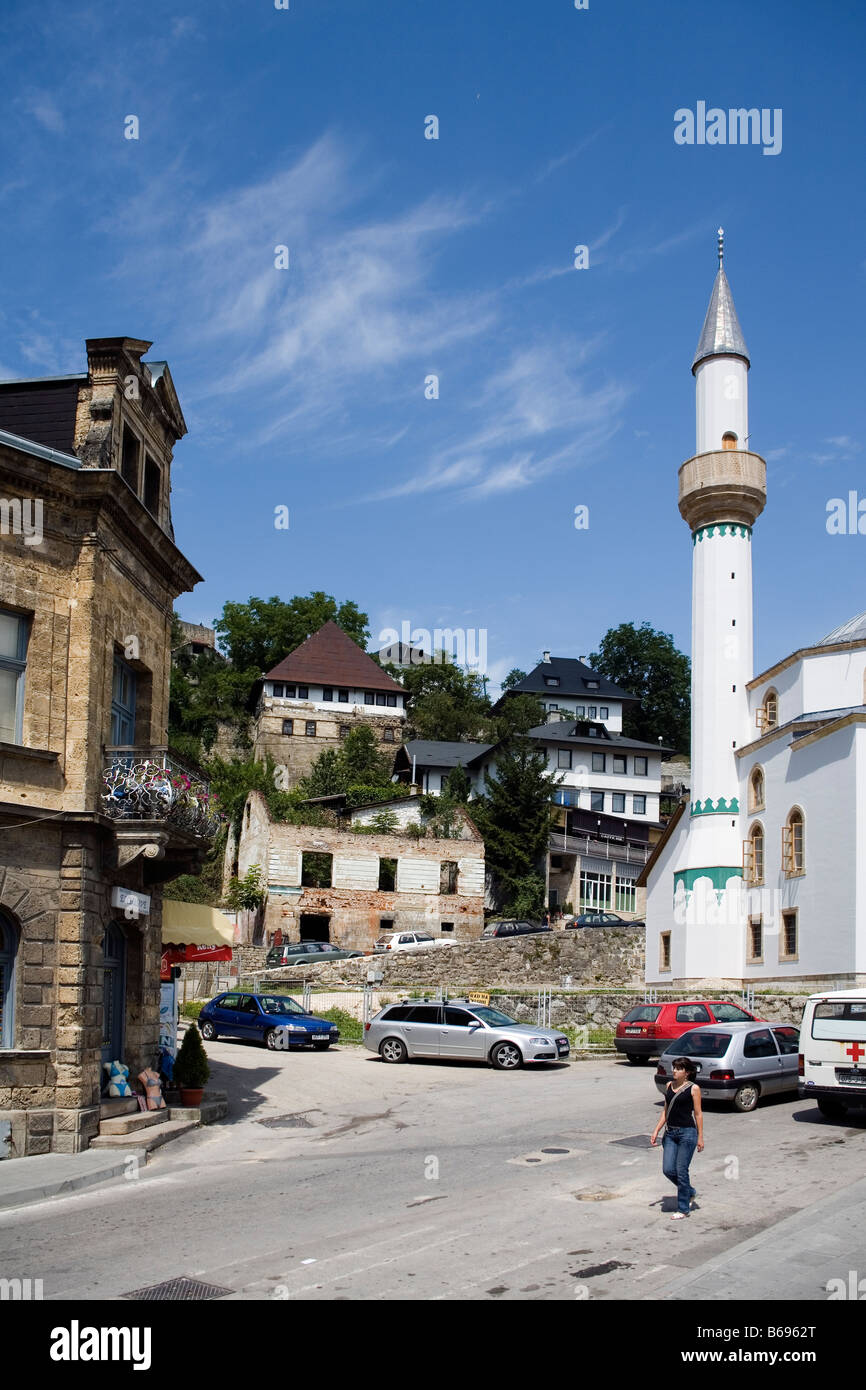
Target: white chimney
[545,656]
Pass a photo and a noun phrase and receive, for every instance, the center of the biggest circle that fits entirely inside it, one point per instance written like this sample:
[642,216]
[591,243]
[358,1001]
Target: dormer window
[551,680]
[591,685]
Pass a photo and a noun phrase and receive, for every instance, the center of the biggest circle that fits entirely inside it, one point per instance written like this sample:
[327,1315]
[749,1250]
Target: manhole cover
[592,1271]
[556,1151]
[286,1122]
[533,1160]
[634,1141]
[181,1289]
[595,1196]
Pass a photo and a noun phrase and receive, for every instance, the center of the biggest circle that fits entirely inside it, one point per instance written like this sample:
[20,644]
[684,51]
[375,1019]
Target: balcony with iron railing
[149,784]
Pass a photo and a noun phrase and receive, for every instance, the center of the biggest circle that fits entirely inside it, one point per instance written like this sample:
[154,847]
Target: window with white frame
[638,805]
[595,889]
[626,895]
[618,800]
[14,629]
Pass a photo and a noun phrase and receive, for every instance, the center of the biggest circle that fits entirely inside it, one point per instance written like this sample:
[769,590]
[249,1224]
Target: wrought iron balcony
[148,784]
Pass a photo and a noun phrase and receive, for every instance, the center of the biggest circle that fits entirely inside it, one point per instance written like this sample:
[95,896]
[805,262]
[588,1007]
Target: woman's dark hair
[688,1067]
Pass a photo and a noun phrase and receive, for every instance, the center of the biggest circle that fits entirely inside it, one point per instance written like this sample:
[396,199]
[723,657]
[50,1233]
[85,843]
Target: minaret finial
[721,246]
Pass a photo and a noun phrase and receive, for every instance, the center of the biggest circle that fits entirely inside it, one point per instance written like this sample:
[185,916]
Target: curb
[25,1196]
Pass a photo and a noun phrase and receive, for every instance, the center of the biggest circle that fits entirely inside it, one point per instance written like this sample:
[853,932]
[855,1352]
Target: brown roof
[330,657]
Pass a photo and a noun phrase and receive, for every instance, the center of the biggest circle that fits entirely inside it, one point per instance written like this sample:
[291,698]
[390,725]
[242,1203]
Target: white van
[833,1051]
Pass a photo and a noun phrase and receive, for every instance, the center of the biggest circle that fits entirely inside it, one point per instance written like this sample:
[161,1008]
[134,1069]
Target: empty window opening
[152,484]
[387,875]
[448,877]
[316,869]
[129,458]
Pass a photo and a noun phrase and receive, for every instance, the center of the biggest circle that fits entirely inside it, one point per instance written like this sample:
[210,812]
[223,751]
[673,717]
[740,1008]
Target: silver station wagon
[737,1061]
[467,1032]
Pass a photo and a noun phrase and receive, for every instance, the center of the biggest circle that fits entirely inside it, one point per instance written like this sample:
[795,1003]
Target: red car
[646,1030]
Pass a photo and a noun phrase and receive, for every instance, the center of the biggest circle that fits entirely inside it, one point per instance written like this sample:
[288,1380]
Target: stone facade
[296,752]
[353,911]
[99,586]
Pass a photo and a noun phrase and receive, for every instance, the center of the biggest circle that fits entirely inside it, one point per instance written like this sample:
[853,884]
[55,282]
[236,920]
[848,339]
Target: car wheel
[747,1097]
[393,1050]
[506,1056]
[273,1041]
[831,1109]
[635,1059]
[208,1031]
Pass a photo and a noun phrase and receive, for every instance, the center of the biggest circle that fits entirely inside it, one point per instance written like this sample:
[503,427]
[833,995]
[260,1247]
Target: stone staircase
[123,1126]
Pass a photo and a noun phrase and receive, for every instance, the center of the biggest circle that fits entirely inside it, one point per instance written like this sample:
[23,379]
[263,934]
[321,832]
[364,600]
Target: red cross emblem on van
[856,1052]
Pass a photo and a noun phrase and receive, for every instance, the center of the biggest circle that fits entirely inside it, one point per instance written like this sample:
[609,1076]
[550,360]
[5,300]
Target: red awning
[180,955]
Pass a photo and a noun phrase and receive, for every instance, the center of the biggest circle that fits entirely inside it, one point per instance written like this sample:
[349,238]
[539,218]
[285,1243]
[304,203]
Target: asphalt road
[339,1177]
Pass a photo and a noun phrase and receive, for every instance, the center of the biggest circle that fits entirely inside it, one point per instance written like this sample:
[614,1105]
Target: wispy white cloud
[44,109]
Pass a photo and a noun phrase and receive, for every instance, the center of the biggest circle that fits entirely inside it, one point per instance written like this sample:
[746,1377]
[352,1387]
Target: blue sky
[558,387]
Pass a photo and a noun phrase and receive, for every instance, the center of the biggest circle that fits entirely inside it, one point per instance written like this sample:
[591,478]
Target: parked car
[411,941]
[274,1019]
[306,953]
[464,1031]
[511,926]
[740,1062]
[646,1030]
[601,919]
[832,1066]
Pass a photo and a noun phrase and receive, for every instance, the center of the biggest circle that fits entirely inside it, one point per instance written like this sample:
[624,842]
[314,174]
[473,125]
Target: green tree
[514,677]
[247,893]
[647,664]
[514,817]
[516,715]
[360,761]
[443,701]
[259,633]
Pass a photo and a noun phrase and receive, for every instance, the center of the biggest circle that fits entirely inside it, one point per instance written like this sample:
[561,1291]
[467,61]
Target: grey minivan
[740,1062]
[468,1032]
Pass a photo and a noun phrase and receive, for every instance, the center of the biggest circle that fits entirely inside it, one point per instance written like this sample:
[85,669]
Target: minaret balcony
[722,485]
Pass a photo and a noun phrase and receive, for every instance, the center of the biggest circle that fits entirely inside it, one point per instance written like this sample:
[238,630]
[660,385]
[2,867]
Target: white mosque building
[761,878]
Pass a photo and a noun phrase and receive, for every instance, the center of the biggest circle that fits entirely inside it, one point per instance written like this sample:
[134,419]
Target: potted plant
[191,1069]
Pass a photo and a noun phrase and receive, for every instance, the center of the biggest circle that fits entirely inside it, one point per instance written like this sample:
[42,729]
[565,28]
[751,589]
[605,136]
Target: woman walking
[685,1132]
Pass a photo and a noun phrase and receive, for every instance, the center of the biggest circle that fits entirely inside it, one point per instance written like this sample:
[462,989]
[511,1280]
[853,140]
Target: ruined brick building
[94,815]
[351,884]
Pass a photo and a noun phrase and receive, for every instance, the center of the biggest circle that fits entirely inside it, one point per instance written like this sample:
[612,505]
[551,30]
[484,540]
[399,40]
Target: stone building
[94,816]
[317,694]
[369,883]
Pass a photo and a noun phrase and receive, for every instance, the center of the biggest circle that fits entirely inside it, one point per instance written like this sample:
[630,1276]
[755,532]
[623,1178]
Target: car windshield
[729,1013]
[279,1004]
[493,1017]
[697,1044]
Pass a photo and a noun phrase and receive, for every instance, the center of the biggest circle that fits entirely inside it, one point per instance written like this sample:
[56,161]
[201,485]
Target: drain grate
[634,1141]
[556,1151]
[286,1122]
[181,1289]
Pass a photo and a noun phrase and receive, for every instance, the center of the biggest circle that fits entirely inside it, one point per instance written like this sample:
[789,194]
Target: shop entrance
[315,927]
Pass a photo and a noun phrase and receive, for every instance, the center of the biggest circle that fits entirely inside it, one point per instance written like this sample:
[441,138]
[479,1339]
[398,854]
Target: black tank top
[680,1110]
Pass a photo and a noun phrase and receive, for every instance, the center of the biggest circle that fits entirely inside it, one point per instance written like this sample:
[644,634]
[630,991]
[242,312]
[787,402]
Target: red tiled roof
[330,657]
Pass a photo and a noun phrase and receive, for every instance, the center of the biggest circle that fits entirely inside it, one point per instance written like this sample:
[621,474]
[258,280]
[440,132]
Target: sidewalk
[24,1180]
[792,1260]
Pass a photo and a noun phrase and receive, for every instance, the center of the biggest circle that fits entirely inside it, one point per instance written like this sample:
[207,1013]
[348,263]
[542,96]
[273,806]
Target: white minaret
[722,492]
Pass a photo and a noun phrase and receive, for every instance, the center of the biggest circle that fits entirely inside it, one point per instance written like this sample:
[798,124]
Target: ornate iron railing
[147,784]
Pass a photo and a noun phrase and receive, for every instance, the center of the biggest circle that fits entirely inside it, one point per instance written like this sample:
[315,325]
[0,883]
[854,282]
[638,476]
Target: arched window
[771,709]
[756,790]
[794,843]
[753,856]
[8,954]
[729,440]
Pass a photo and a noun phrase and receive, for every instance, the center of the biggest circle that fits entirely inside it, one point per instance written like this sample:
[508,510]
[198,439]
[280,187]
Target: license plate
[851,1078]
[633,1030]
[563,1047]
[320,1037]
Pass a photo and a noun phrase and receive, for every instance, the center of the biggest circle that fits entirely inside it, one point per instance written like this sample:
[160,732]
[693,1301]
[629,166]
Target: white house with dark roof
[568,687]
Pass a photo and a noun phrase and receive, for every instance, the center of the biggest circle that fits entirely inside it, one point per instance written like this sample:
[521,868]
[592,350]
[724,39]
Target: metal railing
[148,784]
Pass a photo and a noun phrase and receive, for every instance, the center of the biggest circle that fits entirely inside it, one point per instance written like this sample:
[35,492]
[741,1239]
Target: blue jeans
[677,1153]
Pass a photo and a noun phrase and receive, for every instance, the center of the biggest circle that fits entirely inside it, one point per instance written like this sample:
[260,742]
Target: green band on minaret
[725,528]
[720,807]
[718,875]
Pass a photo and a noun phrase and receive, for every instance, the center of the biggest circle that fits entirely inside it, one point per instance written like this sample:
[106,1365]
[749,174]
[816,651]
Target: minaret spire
[721,235]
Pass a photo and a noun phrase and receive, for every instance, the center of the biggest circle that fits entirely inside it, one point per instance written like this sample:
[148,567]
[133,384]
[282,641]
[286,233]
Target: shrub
[191,1069]
[193,1008]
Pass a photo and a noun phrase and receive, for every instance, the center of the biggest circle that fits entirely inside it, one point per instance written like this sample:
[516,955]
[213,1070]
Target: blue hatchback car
[274,1019]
